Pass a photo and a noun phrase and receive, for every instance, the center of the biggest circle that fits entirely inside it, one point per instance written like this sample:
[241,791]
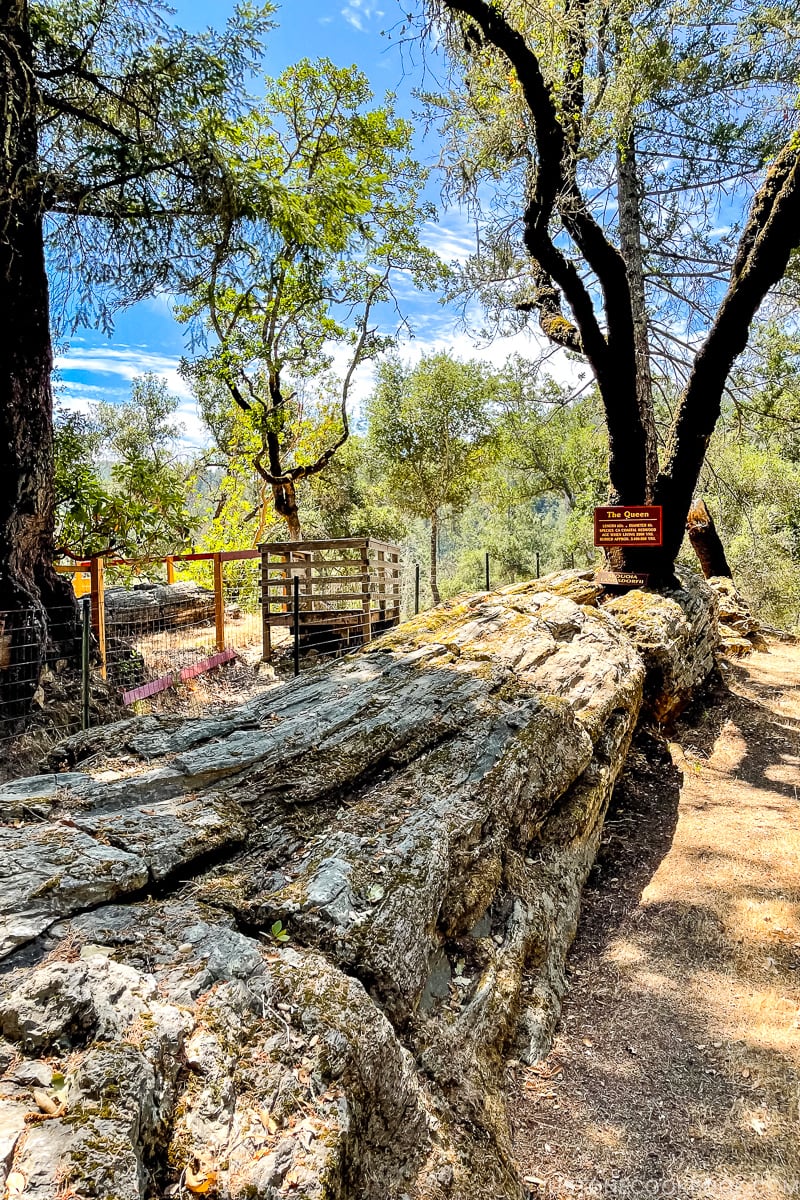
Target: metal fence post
[86,626]
[416,589]
[98,594]
[488,586]
[296,622]
[537,564]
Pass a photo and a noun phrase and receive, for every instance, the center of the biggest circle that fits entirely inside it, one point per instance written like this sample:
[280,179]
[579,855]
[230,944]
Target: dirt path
[676,1069]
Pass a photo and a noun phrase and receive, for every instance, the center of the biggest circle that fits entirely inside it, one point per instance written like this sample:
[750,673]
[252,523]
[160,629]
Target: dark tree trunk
[706,542]
[770,233]
[285,497]
[37,607]
[630,236]
[435,557]
[284,492]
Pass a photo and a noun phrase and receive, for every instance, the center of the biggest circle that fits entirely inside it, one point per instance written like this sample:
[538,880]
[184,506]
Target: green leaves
[430,427]
[121,487]
[129,112]
[323,212]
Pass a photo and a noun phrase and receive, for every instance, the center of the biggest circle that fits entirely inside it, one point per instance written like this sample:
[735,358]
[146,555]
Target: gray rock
[12,1127]
[50,870]
[677,635]
[421,819]
[50,1007]
[32,1073]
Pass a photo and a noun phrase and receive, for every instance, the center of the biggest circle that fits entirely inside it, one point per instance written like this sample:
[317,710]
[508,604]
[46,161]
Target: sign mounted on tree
[621,579]
[618,525]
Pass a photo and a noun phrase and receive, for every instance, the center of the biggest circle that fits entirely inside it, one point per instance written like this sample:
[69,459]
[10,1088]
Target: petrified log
[148,607]
[706,542]
[419,820]
[739,630]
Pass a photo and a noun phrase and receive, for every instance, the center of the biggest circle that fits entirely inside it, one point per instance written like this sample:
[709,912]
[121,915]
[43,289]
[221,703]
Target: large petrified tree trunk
[36,606]
[420,819]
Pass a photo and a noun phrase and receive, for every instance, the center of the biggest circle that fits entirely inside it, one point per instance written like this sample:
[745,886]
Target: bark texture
[630,236]
[32,596]
[706,542]
[420,819]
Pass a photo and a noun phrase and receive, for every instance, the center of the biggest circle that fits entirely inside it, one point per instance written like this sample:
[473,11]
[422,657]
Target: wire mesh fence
[40,682]
[188,633]
[156,635]
[166,642]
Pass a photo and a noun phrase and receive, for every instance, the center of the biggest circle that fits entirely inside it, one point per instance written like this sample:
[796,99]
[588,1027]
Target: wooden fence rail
[89,577]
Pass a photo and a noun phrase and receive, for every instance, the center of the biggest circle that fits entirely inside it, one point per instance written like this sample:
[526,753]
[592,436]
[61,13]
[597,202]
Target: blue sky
[147,338]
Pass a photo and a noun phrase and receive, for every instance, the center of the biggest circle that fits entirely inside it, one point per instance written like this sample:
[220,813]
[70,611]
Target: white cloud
[117,366]
[359,13]
[195,434]
[452,240]
[445,335]
[106,371]
[463,345]
[125,362]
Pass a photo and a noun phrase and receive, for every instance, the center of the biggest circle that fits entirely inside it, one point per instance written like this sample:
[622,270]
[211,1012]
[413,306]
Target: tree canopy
[327,213]
[122,487]
[573,81]
[429,426]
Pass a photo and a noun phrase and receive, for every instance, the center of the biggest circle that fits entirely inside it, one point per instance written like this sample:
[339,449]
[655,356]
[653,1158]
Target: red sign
[619,525]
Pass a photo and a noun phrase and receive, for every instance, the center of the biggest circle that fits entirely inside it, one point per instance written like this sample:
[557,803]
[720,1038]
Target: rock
[740,632]
[50,870]
[49,1008]
[676,634]
[87,857]
[37,794]
[420,818]
[31,1073]
[12,1128]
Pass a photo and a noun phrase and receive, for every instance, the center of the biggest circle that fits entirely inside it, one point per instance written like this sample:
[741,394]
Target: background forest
[296,254]
[512,467]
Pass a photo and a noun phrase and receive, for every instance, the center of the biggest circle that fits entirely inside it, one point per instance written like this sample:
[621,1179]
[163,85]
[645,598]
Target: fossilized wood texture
[420,818]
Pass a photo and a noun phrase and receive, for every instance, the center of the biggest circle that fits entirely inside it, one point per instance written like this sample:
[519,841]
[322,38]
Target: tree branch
[770,234]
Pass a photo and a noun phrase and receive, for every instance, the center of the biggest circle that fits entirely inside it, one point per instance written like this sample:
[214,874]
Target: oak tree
[428,429]
[107,155]
[582,279]
[289,289]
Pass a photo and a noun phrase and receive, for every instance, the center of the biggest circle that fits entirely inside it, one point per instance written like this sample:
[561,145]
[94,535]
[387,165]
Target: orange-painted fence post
[170,561]
[98,594]
[219,603]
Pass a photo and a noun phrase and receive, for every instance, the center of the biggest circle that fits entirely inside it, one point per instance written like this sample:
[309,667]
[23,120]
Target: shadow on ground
[676,1067]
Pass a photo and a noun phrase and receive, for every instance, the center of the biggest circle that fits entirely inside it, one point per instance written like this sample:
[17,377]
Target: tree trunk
[706,542]
[37,607]
[285,497]
[630,234]
[435,556]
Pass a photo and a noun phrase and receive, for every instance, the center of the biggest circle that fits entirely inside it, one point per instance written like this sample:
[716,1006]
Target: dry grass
[676,1068]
